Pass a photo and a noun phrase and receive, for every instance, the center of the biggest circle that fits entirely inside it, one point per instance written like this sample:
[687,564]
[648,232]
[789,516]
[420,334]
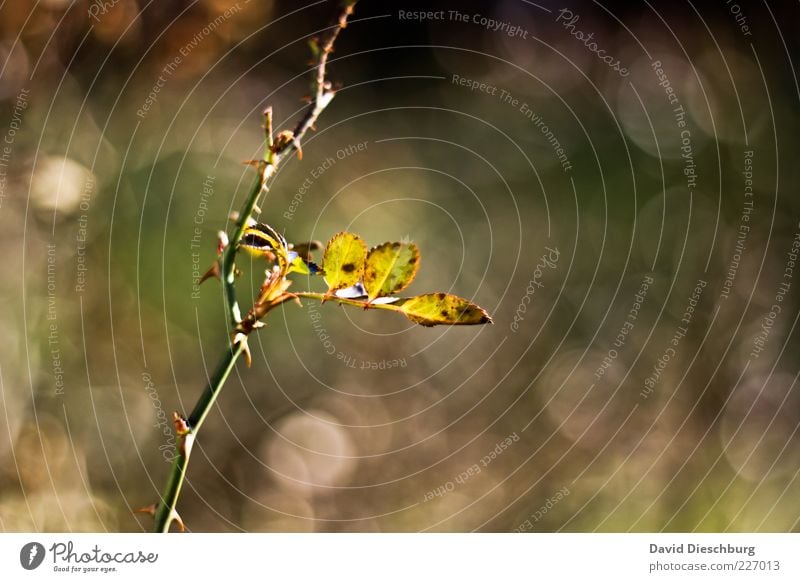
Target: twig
[277,148]
[323,297]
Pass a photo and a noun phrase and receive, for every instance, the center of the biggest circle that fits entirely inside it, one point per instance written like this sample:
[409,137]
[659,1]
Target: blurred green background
[492,135]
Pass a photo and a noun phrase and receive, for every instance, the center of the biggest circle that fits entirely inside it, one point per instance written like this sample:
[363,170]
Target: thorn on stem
[268,127]
[222,241]
[181,426]
[149,509]
[177,519]
[240,338]
[214,271]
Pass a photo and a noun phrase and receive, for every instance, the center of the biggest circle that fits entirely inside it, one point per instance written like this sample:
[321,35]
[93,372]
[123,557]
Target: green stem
[322,297]
[165,513]
[228,259]
[212,389]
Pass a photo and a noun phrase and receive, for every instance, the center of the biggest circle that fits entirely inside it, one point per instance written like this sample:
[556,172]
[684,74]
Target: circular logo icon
[31,555]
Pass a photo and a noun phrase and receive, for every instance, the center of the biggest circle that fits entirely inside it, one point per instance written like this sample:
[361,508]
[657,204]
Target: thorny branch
[277,148]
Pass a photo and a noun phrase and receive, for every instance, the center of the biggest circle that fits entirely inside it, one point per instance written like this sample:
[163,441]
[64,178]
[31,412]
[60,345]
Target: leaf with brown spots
[343,261]
[443,309]
[390,268]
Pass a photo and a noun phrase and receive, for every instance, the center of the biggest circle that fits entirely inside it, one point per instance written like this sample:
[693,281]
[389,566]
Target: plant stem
[323,93]
[228,259]
[165,512]
[209,395]
[322,297]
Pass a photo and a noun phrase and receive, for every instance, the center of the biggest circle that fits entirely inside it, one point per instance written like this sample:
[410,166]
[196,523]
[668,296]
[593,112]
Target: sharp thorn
[240,338]
[214,271]
[180,424]
[177,519]
[149,509]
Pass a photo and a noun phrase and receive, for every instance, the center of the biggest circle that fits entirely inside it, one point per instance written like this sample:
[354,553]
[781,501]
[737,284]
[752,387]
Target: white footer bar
[401,557]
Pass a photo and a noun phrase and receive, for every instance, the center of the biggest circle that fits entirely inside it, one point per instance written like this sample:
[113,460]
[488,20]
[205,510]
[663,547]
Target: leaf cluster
[371,279]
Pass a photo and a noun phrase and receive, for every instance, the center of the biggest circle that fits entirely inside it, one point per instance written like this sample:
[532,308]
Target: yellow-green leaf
[299,266]
[443,309]
[390,268]
[262,240]
[343,261]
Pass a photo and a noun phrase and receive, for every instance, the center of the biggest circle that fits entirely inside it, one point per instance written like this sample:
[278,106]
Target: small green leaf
[298,265]
[313,44]
[343,261]
[390,268]
[262,240]
[443,309]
